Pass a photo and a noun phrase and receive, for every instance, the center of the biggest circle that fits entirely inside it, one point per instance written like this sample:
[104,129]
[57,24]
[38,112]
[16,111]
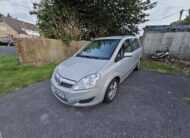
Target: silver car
[93,74]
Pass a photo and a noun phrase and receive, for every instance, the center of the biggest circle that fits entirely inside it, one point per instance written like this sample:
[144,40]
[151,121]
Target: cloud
[165,8]
[18,9]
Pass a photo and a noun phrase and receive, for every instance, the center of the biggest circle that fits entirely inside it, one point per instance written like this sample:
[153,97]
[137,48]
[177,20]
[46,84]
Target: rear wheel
[138,65]
[111,91]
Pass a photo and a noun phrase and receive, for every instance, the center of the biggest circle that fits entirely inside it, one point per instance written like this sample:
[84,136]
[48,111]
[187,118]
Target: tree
[108,17]
[76,19]
[56,19]
[186,21]
[8,15]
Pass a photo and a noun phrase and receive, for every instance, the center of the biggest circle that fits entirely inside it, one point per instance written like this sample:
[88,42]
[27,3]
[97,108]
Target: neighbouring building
[16,28]
[176,38]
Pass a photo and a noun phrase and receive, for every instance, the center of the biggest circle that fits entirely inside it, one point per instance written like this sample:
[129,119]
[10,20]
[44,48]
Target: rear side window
[135,43]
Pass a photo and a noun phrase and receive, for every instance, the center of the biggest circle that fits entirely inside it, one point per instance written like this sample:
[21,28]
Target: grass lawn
[165,68]
[13,75]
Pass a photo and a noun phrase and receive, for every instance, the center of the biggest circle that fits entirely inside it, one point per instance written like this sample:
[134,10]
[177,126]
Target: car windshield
[99,49]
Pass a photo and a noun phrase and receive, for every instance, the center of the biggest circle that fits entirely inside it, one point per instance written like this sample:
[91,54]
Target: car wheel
[138,66]
[111,91]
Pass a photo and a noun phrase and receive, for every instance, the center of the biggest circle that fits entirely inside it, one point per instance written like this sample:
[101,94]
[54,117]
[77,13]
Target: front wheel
[111,91]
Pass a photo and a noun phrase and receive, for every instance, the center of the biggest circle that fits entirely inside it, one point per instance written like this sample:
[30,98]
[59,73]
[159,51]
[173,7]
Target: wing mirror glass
[128,54]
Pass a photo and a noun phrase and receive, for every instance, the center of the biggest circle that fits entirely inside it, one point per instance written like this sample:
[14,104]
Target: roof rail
[128,35]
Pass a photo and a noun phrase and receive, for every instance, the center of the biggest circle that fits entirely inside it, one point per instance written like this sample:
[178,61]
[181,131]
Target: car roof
[115,37]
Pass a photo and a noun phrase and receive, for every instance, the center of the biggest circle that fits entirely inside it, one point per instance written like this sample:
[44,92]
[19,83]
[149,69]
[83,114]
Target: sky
[20,9]
[165,8]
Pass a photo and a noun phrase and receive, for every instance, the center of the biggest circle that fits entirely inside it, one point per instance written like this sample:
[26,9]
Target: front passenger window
[119,56]
[135,44]
[126,47]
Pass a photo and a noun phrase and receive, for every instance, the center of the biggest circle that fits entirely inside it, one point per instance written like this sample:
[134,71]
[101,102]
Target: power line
[169,15]
[140,30]
[173,14]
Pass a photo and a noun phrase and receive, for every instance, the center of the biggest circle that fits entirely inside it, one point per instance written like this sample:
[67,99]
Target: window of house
[3,28]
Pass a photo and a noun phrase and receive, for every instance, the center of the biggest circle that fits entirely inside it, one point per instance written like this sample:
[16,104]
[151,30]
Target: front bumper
[78,98]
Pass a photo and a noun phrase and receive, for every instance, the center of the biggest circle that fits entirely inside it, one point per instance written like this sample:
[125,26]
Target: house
[16,28]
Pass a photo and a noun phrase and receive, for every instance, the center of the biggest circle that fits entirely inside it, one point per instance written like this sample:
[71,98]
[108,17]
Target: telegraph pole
[180,16]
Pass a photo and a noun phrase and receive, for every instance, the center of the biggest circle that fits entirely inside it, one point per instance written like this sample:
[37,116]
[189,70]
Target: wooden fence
[43,51]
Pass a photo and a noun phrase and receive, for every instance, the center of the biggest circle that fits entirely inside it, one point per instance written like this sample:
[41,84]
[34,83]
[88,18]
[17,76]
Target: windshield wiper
[85,56]
[102,58]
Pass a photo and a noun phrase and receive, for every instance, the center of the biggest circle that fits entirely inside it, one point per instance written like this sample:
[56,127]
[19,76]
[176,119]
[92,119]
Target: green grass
[165,68]
[13,75]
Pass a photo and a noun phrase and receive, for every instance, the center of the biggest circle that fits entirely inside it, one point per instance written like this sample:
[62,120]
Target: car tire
[138,66]
[111,91]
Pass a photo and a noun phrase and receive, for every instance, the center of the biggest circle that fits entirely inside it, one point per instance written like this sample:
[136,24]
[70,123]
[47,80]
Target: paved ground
[5,50]
[148,105]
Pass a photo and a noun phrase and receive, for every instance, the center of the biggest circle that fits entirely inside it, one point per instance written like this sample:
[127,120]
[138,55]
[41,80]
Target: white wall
[31,32]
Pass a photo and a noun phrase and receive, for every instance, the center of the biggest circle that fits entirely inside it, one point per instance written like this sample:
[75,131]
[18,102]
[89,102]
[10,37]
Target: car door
[125,63]
[137,51]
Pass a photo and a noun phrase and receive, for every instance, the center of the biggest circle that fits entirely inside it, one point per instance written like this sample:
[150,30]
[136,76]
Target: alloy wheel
[113,90]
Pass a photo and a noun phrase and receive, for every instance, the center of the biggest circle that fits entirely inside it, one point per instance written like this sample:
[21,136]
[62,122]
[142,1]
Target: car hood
[75,68]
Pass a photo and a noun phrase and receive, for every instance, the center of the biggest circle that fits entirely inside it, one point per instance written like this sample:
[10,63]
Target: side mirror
[128,54]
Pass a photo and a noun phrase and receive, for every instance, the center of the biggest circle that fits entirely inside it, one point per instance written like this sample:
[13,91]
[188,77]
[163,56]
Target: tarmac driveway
[148,105]
[5,50]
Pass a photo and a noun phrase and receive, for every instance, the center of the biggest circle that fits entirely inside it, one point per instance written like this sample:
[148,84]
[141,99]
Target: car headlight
[87,82]
[57,78]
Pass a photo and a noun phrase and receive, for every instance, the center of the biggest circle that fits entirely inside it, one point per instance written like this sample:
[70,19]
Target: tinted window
[119,56]
[100,49]
[126,47]
[135,44]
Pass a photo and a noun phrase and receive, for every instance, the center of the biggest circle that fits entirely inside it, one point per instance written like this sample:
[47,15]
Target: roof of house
[18,25]
[167,28]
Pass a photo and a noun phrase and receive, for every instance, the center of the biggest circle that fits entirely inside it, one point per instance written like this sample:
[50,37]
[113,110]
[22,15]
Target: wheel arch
[118,78]
[113,76]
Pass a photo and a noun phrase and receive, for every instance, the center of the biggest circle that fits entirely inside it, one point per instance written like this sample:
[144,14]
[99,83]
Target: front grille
[64,82]
[66,85]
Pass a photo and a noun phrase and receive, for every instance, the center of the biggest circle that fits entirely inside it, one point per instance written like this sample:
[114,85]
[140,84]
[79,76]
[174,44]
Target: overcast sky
[20,9]
[165,8]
